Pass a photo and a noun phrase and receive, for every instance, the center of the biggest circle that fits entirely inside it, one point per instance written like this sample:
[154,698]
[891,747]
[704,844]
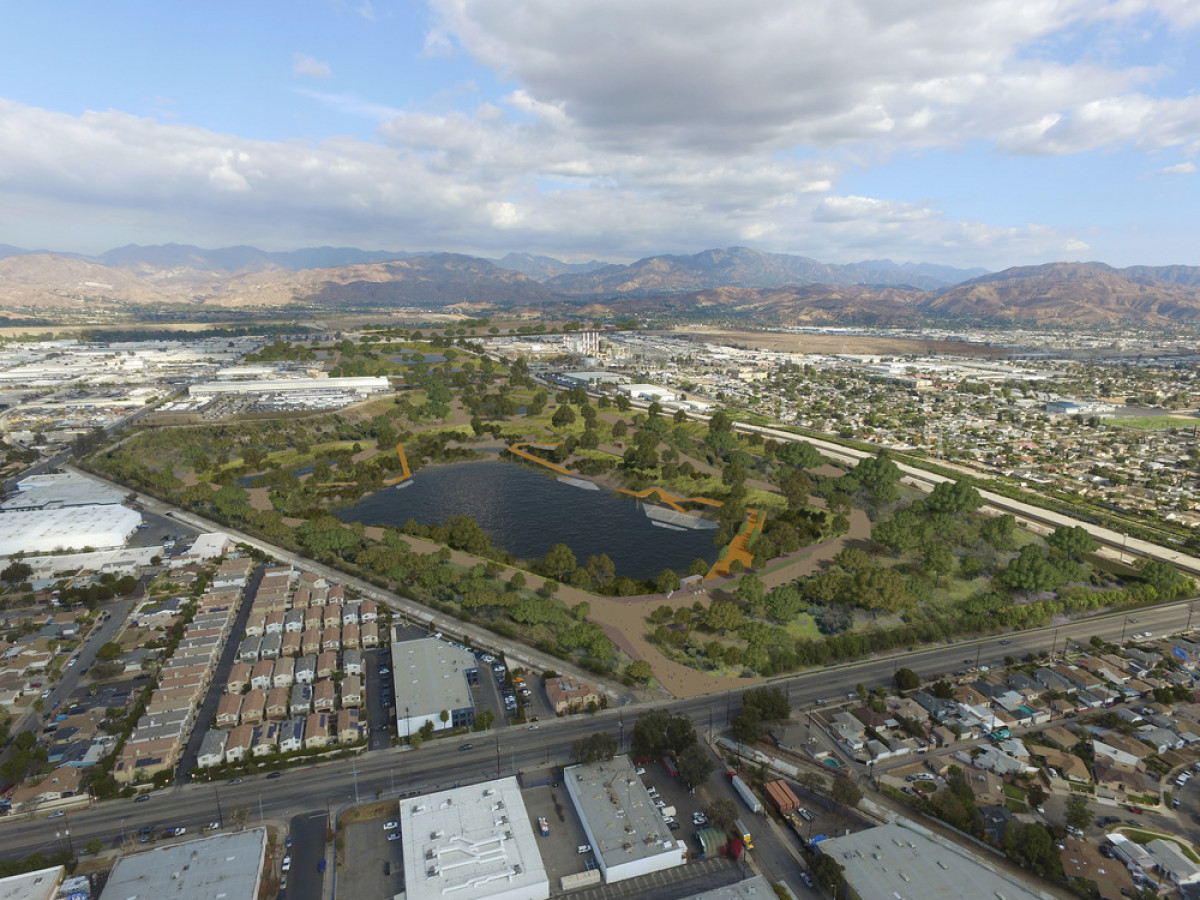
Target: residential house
[272,644]
[291,735]
[310,641]
[229,711]
[327,664]
[291,644]
[316,730]
[306,669]
[238,743]
[212,748]
[302,698]
[331,639]
[278,703]
[324,695]
[349,728]
[351,636]
[274,622]
[352,662]
[254,704]
[239,678]
[1121,748]
[260,675]
[569,696]
[266,739]
[369,635]
[284,672]
[352,692]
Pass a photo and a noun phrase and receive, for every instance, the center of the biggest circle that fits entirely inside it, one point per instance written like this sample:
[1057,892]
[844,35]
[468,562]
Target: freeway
[392,773]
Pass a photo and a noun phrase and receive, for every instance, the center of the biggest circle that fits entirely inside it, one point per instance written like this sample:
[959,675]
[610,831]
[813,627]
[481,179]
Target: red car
[1135,809]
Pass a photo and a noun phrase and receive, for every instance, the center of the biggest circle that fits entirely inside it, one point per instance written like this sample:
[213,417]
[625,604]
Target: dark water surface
[527,513]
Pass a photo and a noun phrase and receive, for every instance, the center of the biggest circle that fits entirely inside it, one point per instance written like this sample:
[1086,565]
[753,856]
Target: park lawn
[1150,423]
[804,627]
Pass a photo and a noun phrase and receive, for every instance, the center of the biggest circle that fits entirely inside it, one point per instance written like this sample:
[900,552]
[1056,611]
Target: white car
[390,826]
[287,864]
[583,848]
[642,771]
[394,836]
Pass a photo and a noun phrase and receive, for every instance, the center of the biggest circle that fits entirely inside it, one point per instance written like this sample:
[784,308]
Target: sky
[987,133]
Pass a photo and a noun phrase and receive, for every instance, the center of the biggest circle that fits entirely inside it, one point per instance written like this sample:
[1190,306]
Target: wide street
[392,773]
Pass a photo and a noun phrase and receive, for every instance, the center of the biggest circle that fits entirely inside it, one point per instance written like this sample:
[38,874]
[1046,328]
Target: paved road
[393,773]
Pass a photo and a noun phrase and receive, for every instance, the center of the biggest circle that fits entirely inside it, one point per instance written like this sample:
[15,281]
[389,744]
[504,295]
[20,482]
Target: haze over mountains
[736,283]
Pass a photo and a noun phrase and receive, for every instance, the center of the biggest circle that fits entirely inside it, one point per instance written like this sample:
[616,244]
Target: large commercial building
[627,833]
[472,843]
[432,676]
[58,490]
[66,528]
[39,885]
[903,861]
[228,866]
[357,385]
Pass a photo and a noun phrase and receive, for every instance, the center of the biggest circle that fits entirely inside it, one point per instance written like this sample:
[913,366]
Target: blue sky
[991,133]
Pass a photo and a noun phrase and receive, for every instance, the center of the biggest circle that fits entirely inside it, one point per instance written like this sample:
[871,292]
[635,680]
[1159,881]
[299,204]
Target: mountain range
[732,284]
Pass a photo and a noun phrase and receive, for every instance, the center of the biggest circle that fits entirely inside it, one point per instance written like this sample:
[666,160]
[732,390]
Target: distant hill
[1077,293]
[743,267]
[732,284]
[543,268]
[240,259]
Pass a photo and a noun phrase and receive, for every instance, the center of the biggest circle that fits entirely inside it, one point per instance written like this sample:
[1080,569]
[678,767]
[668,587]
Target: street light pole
[220,814]
[1124,625]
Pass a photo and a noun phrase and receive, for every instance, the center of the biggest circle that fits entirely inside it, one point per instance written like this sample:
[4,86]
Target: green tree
[953,497]
[937,559]
[1073,541]
[907,680]
[1079,815]
[845,792]
[559,561]
[596,747]
[639,670]
[695,764]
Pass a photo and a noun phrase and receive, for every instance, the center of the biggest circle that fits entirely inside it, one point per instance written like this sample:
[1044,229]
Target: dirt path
[624,618]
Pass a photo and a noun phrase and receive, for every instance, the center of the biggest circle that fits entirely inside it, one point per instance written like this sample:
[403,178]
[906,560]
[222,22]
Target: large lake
[527,512]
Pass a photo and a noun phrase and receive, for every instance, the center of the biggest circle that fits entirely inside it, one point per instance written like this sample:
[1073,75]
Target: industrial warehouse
[472,843]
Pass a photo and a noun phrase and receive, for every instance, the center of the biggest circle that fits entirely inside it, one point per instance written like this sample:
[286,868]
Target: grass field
[1154,423]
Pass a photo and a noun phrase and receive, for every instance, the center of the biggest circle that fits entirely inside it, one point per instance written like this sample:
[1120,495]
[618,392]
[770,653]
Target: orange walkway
[671,500]
[405,471]
[739,547]
[516,450]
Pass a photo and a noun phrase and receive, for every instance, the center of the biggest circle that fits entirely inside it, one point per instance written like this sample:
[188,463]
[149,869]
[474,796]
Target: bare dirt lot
[845,343]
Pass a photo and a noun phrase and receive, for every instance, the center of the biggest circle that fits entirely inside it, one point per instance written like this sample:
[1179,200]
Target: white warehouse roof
[357,384]
[472,843]
[225,865]
[69,528]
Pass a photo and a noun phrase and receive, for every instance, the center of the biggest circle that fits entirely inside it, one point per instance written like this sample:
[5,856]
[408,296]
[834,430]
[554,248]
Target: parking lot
[374,865]
[560,849]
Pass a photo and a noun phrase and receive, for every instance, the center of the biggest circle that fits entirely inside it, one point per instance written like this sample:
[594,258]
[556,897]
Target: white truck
[747,795]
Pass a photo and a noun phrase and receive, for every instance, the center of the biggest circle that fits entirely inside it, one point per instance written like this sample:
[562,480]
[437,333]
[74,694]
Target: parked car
[287,864]
[583,848]
[141,798]
[390,826]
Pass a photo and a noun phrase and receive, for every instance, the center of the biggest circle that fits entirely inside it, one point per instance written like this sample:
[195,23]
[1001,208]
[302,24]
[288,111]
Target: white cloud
[719,77]
[1183,168]
[309,67]
[477,183]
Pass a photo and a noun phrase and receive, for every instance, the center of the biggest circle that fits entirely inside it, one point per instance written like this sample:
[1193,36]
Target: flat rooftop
[471,843]
[67,489]
[755,888]
[66,528]
[430,675]
[908,863]
[39,885]
[224,865]
[621,816]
